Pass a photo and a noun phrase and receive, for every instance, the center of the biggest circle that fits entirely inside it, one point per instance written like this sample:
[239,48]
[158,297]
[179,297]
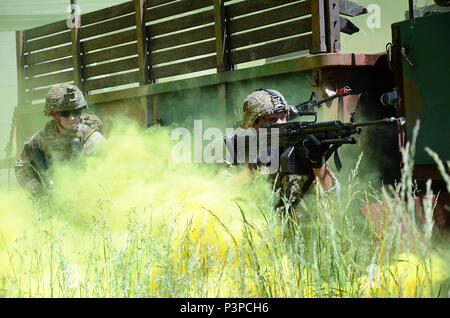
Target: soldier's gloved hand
[316,151]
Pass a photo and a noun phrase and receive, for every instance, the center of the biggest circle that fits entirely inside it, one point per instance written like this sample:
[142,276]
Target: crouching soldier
[69,133]
[267,106]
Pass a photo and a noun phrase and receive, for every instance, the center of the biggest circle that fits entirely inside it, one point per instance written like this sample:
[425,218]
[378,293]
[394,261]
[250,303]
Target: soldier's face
[68,120]
[272,119]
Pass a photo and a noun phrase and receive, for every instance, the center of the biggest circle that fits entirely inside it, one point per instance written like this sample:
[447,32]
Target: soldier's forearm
[325,176]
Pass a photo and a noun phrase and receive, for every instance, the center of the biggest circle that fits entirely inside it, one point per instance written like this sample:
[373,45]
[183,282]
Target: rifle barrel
[327,99]
[377,122]
[339,141]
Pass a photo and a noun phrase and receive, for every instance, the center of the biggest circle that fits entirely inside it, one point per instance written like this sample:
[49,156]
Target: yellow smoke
[196,205]
[135,172]
[16,214]
[175,229]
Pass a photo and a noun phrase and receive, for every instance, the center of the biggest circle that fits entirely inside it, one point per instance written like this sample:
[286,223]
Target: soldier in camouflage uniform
[269,106]
[69,133]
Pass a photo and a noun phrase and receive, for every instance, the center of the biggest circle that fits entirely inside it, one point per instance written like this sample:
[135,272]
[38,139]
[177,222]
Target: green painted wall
[185,106]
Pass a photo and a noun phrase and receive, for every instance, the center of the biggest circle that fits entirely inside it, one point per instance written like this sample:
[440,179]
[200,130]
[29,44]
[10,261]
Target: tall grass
[318,252]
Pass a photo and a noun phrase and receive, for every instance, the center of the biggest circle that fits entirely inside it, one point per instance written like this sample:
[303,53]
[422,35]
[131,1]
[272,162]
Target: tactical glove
[316,151]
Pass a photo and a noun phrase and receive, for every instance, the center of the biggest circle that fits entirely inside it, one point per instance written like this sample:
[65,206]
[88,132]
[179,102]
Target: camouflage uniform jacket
[48,145]
[293,187]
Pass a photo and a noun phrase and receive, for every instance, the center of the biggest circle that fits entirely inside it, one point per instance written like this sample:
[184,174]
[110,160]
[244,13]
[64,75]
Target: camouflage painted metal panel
[425,66]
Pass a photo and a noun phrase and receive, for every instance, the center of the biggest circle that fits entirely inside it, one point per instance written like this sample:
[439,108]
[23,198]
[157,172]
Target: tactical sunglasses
[73,112]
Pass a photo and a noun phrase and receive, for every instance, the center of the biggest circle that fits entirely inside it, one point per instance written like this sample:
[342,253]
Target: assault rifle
[292,137]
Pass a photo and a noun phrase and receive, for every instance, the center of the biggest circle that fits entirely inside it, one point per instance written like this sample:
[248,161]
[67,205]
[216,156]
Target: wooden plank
[114,80]
[319,44]
[109,40]
[111,67]
[183,52]
[184,67]
[175,8]
[43,68]
[107,13]
[154,3]
[141,36]
[272,49]
[141,15]
[47,80]
[292,11]
[181,38]
[48,55]
[49,41]
[76,58]
[108,26]
[46,29]
[245,7]
[332,26]
[88,18]
[221,31]
[109,54]
[20,42]
[178,24]
[222,54]
[270,33]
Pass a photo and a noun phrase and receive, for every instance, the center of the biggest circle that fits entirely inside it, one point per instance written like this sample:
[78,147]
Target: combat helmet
[64,97]
[260,103]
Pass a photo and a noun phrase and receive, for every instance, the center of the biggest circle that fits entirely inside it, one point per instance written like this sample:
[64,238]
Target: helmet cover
[260,103]
[63,97]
